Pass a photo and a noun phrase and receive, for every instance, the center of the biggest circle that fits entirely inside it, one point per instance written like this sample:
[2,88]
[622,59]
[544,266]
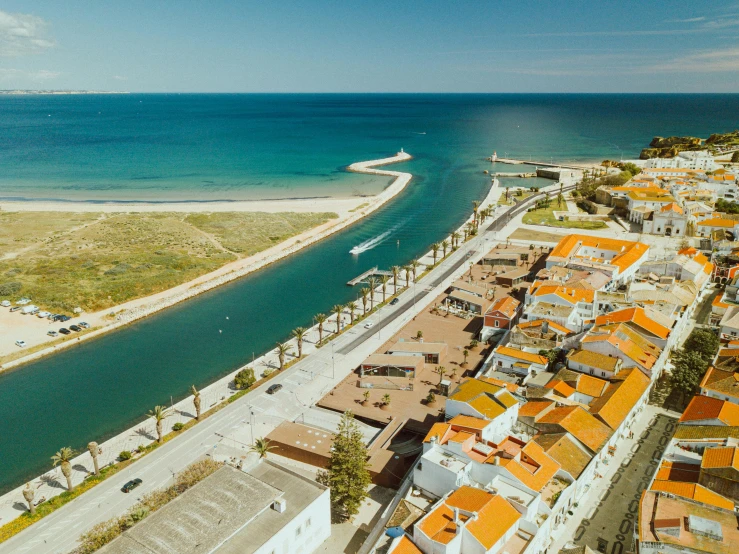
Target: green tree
[351,308]
[244,379]
[347,473]
[300,333]
[735,157]
[687,372]
[441,370]
[63,458]
[435,250]
[455,240]
[338,309]
[372,285]
[703,342]
[262,447]
[550,355]
[414,265]
[160,413]
[444,247]
[465,353]
[383,281]
[633,169]
[386,399]
[196,401]
[282,349]
[407,269]
[320,319]
[395,271]
[364,295]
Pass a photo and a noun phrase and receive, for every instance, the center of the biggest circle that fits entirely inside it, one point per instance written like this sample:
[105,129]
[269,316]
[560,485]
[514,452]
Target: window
[420,467]
[307,523]
[298,531]
[497,323]
[603,373]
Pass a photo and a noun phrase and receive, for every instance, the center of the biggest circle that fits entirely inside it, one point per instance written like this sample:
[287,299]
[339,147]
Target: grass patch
[96,261]
[513,198]
[545,216]
[361,206]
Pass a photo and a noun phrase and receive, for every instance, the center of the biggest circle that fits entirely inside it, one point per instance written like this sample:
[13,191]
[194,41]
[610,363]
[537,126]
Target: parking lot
[609,525]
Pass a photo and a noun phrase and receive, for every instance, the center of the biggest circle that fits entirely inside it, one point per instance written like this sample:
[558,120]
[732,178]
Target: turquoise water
[242,146]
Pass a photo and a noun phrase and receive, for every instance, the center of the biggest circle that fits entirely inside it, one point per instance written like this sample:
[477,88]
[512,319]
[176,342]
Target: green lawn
[545,216]
[502,201]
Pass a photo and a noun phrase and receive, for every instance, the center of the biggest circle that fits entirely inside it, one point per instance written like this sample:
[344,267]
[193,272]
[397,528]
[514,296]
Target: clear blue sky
[372,46]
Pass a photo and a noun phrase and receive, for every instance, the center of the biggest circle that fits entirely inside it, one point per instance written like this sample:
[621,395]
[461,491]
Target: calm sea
[247,146]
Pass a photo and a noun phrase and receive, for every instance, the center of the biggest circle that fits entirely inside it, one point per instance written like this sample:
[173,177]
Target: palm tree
[64,458]
[262,447]
[352,307]
[466,231]
[366,396]
[395,269]
[465,353]
[320,319]
[372,284]
[338,309]
[444,246]
[300,333]
[415,264]
[196,401]
[28,494]
[384,281]
[475,206]
[386,399]
[159,413]
[365,294]
[441,370]
[94,450]
[435,250]
[282,349]
[455,240]
[407,270]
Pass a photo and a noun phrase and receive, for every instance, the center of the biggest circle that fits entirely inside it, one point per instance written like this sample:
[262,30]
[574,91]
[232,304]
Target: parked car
[43,315]
[30,310]
[274,388]
[64,318]
[132,484]
[15,308]
[20,343]
[369,325]
[84,324]
[75,328]
[394,301]
[53,334]
[65,331]
[5,303]
[23,301]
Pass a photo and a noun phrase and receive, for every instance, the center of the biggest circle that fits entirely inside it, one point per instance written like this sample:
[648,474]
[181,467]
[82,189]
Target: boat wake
[371,243]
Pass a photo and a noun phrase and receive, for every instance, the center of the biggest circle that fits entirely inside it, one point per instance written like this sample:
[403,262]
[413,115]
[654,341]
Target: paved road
[609,527]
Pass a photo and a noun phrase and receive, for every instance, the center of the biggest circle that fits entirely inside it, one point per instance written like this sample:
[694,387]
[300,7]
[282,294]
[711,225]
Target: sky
[371,46]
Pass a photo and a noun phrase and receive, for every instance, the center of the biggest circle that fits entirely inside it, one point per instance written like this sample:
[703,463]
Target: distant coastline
[18,92]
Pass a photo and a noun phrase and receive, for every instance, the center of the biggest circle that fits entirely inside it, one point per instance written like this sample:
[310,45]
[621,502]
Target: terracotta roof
[717,222]
[534,408]
[438,430]
[493,521]
[727,456]
[672,207]
[724,382]
[507,306]
[694,491]
[506,399]
[678,471]
[651,195]
[636,316]
[628,341]
[620,397]
[561,387]
[572,296]
[629,252]
[594,359]
[565,452]
[521,355]
[556,327]
[405,546]
[469,422]
[704,407]
[510,387]
[580,424]
[536,467]
[592,386]
[706,432]
[471,388]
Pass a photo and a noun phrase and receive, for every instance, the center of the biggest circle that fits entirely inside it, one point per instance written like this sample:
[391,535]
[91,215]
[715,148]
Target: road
[304,383]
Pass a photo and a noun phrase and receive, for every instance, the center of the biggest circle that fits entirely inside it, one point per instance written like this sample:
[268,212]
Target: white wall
[314,523]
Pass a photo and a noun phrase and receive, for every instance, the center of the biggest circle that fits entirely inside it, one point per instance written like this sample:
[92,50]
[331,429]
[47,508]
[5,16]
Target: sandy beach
[32,330]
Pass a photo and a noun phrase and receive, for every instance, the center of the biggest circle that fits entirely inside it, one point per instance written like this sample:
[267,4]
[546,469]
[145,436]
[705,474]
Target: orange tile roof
[718,222]
[405,546]
[630,343]
[613,407]
[493,521]
[561,387]
[594,359]
[534,407]
[649,195]
[672,207]
[510,387]
[539,322]
[506,306]
[565,452]
[636,316]
[439,524]
[438,430]
[573,296]
[471,388]
[521,355]
[629,252]
[726,456]
[580,424]
[695,492]
[461,436]
[536,467]
[469,422]
[592,386]
[705,407]
[487,406]
[678,471]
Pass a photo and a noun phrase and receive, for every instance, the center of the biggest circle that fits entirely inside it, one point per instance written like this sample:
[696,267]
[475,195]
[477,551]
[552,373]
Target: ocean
[205,147]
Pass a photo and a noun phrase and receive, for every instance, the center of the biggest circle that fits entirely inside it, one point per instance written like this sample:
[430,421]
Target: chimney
[496,461]
[279,505]
[456,517]
[545,327]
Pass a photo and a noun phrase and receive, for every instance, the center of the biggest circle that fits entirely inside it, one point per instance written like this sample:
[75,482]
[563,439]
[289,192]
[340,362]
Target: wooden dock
[367,274]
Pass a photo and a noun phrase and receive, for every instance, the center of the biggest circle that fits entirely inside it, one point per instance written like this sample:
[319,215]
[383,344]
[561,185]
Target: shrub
[125,455]
[267,372]
[244,378]
[178,426]
[431,398]
[8,289]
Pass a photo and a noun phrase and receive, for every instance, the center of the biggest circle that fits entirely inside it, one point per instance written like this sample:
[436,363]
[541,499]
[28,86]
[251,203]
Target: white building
[482,401]
[700,160]
[669,221]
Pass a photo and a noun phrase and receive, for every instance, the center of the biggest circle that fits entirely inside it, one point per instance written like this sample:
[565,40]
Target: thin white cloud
[9,74]
[120,78]
[689,20]
[710,61]
[22,34]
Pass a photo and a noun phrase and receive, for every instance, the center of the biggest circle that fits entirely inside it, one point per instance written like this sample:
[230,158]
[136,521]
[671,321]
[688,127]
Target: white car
[23,301]
[53,334]
[20,343]
[5,303]
[369,325]
[43,315]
